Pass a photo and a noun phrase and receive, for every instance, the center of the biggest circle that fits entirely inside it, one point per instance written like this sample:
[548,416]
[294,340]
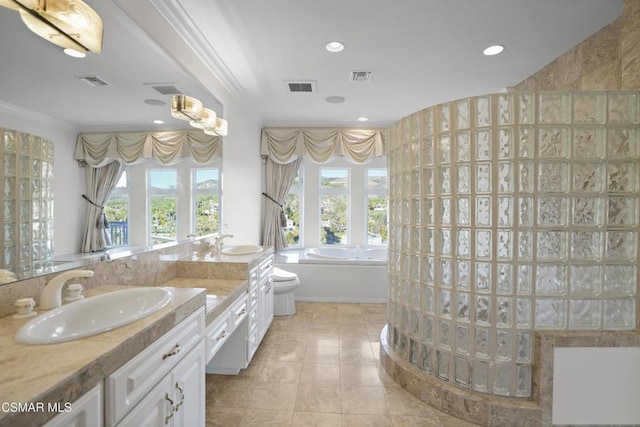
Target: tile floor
[319,367]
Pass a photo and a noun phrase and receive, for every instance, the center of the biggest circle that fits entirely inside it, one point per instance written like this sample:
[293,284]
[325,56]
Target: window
[206,201]
[162,201]
[334,206]
[117,212]
[377,207]
[293,211]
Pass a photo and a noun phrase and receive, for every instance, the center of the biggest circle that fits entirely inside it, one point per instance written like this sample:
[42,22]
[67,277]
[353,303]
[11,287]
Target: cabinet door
[86,411]
[155,410]
[188,385]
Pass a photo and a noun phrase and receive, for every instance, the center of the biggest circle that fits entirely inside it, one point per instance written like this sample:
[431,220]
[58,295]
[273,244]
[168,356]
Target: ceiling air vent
[167,90]
[94,81]
[301,86]
[361,76]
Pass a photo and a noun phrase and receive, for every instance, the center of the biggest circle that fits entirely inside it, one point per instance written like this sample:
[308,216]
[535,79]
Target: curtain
[165,147]
[320,145]
[100,183]
[279,178]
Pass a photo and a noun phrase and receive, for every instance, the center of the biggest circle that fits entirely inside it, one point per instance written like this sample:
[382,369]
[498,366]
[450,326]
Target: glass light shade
[207,119]
[186,108]
[221,128]
[70,24]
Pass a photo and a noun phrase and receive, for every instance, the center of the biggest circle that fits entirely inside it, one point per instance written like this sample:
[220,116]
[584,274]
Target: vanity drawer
[131,382]
[217,334]
[239,311]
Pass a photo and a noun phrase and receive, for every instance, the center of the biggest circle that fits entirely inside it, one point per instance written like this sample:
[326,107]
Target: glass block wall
[510,213]
[26,180]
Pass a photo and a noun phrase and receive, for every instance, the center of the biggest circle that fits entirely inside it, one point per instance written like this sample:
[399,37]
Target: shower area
[511,214]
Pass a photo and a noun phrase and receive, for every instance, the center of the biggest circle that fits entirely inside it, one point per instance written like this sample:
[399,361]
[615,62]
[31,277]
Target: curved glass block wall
[510,213]
[26,185]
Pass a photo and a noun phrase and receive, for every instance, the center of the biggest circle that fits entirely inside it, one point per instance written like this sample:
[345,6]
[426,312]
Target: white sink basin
[241,250]
[93,315]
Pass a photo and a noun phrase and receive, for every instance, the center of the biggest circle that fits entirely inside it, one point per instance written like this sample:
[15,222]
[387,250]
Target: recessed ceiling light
[334,99]
[158,122]
[74,53]
[493,50]
[335,47]
[363,119]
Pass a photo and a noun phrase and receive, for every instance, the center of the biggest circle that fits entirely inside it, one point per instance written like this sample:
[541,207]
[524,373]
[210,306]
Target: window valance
[284,145]
[165,147]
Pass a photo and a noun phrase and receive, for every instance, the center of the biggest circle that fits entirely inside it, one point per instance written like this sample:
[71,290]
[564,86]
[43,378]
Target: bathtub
[348,275]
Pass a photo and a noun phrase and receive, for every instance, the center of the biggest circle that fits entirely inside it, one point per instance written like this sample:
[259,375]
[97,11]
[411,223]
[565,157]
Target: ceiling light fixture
[493,50]
[190,109]
[70,24]
[335,47]
[158,122]
[363,119]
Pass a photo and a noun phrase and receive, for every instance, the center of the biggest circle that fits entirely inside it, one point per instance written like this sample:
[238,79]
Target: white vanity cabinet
[86,411]
[261,303]
[163,382]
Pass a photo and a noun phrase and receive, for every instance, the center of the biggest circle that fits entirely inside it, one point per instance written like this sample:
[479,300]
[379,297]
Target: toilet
[284,283]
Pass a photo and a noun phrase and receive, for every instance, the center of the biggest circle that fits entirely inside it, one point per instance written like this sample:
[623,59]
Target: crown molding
[33,116]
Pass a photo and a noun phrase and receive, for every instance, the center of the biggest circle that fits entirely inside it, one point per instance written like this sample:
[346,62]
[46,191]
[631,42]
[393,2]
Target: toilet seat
[280,275]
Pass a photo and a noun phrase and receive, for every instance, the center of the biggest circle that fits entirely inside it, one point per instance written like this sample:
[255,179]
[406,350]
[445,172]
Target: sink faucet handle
[51,296]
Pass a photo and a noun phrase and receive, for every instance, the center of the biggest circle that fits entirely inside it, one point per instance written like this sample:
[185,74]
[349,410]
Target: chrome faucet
[219,239]
[51,296]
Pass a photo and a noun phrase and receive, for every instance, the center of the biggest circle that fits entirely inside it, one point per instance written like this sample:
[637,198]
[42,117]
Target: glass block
[414,324]
[589,107]
[414,268]
[555,107]
[464,179]
[527,108]
[623,107]
[585,280]
[501,379]
[503,345]
[480,376]
[395,339]
[483,144]
[619,314]
[429,212]
[428,267]
[9,211]
[427,120]
[584,314]
[427,361]
[619,279]
[553,177]
[483,277]
[464,211]
[442,364]
[427,329]
[505,210]
[462,275]
[428,244]
[552,211]
[505,109]
[414,353]
[504,245]
[553,142]
[445,242]
[586,245]
[444,335]
[622,143]
[445,149]
[552,245]
[620,245]
[404,319]
[415,183]
[483,244]
[402,349]
[551,279]
[589,142]
[428,157]
[483,308]
[483,111]
[526,143]
[24,232]
[445,304]
[524,279]
[504,285]
[523,381]
[9,165]
[525,209]
[505,177]
[10,233]
[464,242]
[505,143]
[483,178]
[445,180]
[427,299]
[621,211]
[550,313]
[504,308]
[463,143]
[445,273]
[9,188]
[406,184]
[621,177]
[482,343]
[463,114]
[445,210]
[587,211]
[462,306]
[24,169]
[9,256]
[462,339]
[588,177]
[462,371]
[428,181]
[524,347]
[523,313]
[9,142]
[483,211]
[445,117]
[25,255]
[416,215]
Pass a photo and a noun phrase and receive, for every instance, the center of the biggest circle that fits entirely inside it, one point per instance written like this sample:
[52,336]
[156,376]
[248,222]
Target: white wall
[68,176]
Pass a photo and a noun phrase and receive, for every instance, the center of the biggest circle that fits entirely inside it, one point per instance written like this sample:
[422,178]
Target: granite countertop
[63,372]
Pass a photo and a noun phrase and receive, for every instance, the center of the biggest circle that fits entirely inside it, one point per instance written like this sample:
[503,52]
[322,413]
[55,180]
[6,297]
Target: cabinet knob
[173,352]
[222,335]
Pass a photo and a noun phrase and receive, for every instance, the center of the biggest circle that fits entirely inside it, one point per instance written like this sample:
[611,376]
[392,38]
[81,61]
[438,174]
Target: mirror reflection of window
[117,211]
[162,201]
[206,201]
